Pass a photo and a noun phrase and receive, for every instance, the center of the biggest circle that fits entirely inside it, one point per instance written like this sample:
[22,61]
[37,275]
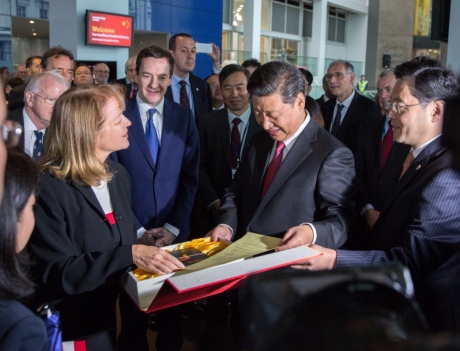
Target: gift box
[223,271]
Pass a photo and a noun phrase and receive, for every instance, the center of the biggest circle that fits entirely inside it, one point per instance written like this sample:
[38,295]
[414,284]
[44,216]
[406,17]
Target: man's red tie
[273,166]
[236,143]
[387,144]
[409,159]
[183,94]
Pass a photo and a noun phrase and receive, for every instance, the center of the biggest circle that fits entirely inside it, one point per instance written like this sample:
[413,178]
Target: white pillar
[319,33]
[252,27]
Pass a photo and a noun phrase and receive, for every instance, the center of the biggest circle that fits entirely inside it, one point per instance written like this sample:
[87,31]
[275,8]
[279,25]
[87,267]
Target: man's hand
[158,237]
[328,260]
[370,217]
[215,57]
[155,260]
[222,231]
[296,236]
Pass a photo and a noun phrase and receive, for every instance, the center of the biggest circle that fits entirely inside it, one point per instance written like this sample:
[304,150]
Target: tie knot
[182,83]
[236,121]
[339,107]
[279,146]
[152,112]
[38,134]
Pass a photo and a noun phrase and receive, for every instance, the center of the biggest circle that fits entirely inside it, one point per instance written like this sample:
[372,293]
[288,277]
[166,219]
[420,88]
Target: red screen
[109,29]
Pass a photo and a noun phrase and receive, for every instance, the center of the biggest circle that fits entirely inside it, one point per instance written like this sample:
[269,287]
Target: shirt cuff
[141,232]
[313,229]
[175,231]
[365,208]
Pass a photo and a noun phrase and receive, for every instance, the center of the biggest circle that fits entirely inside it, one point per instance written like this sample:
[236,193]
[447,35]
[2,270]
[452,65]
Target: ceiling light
[32,22]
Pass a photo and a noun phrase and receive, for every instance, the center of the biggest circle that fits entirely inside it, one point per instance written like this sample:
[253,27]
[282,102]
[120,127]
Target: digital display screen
[109,29]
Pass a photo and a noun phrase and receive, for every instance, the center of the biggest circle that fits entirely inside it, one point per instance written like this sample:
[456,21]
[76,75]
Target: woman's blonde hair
[70,139]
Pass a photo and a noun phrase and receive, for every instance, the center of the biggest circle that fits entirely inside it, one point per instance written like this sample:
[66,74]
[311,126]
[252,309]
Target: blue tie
[152,136]
[38,146]
[338,117]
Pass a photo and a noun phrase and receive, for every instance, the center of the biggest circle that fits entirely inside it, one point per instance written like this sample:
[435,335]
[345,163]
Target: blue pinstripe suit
[420,226]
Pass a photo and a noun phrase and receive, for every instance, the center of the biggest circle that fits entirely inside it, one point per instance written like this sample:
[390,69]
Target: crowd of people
[162,156]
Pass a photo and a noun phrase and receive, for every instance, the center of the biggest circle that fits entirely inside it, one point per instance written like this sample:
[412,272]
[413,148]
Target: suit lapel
[169,122]
[432,150]
[136,130]
[253,128]
[295,157]
[90,197]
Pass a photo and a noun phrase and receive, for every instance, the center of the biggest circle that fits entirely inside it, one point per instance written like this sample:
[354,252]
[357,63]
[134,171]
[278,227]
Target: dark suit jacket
[79,256]
[17,116]
[201,95]
[419,225]
[215,163]
[165,193]
[315,184]
[375,184]
[361,109]
[20,329]
[16,97]
[320,100]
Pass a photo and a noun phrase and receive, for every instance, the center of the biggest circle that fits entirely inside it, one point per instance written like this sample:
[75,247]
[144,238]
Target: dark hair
[55,51]
[252,62]
[172,40]
[3,69]
[277,77]
[155,52]
[230,69]
[31,59]
[15,82]
[428,79]
[21,181]
[314,110]
[307,75]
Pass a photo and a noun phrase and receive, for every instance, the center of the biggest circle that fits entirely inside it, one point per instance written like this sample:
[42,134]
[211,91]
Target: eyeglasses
[337,75]
[11,132]
[48,100]
[389,105]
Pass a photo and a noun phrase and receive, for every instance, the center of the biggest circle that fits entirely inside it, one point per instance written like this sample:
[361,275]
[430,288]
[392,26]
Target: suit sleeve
[431,238]
[362,197]
[188,183]
[61,263]
[28,334]
[334,193]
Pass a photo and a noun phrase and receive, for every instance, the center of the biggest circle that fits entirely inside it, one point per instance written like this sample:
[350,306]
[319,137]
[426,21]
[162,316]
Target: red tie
[273,166]
[387,144]
[236,143]
[183,94]
[133,92]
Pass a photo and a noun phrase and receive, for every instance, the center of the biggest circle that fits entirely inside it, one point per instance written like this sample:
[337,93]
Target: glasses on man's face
[337,75]
[11,132]
[389,105]
[48,100]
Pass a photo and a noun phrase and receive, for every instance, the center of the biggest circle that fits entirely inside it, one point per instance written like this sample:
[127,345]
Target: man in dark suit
[345,114]
[197,94]
[129,82]
[216,147]
[308,199]
[378,160]
[164,175]
[419,223]
[41,93]
[327,94]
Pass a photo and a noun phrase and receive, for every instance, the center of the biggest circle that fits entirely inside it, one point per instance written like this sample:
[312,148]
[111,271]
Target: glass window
[307,26]
[21,11]
[284,50]
[265,17]
[292,23]
[226,12]
[238,13]
[336,25]
[278,16]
